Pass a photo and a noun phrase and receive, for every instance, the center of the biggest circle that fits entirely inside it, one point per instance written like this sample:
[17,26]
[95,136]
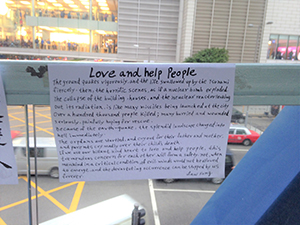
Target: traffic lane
[19,215]
[47,199]
[14,203]
[179,202]
[186,184]
[95,192]
[180,208]
[239,151]
[56,199]
[59,200]
[16,116]
[99,191]
[181,188]
[43,122]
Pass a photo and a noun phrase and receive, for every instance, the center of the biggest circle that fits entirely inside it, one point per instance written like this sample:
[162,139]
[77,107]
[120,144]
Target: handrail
[255,84]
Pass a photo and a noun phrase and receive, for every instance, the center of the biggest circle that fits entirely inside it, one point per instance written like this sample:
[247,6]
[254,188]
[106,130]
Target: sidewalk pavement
[259,111]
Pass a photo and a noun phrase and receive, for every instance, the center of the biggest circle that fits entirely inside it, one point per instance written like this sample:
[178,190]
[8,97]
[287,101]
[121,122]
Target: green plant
[209,55]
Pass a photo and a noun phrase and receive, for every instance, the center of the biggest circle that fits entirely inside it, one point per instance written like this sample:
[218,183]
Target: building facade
[164,31]
[225,24]
[281,41]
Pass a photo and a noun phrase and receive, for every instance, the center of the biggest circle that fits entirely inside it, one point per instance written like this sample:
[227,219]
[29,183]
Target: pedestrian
[291,55]
[278,55]
[37,42]
[42,43]
[113,17]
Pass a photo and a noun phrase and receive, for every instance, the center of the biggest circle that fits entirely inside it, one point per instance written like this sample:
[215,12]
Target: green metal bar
[255,84]
[35,167]
[28,166]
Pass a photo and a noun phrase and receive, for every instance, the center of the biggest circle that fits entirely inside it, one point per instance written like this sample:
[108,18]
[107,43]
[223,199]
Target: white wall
[187,29]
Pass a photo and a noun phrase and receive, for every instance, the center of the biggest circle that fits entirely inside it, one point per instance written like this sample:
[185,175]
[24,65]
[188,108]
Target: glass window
[13,24]
[282,47]
[104,41]
[272,46]
[292,47]
[40,152]
[24,152]
[231,131]
[228,159]
[102,11]
[62,9]
[241,131]
[50,35]
[96,11]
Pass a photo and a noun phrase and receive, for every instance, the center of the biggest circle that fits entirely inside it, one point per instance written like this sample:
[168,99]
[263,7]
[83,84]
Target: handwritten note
[140,121]
[8,167]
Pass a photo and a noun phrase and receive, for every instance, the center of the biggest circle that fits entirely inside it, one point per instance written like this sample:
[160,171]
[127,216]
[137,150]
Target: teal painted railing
[255,84]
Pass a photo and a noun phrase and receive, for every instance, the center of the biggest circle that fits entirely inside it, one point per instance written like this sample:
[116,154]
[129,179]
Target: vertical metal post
[256,47]
[28,166]
[91,41]
[135,215]
[32,8]
[90,10]
[247,114]
[33,28]
[35,166]
[90,31]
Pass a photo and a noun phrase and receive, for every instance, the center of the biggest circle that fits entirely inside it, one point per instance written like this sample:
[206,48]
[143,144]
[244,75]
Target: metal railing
[26,83]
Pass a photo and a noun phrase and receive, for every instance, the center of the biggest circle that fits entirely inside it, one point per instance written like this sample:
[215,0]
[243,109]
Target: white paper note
[141,121]
[8,167]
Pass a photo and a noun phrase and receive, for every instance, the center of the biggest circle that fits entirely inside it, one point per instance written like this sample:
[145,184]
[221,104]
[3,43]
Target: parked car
[229,166]
[242,135]
[47,160]
[237,116]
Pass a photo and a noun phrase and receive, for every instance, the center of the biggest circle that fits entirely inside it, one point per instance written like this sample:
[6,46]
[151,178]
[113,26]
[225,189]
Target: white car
[47,160]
